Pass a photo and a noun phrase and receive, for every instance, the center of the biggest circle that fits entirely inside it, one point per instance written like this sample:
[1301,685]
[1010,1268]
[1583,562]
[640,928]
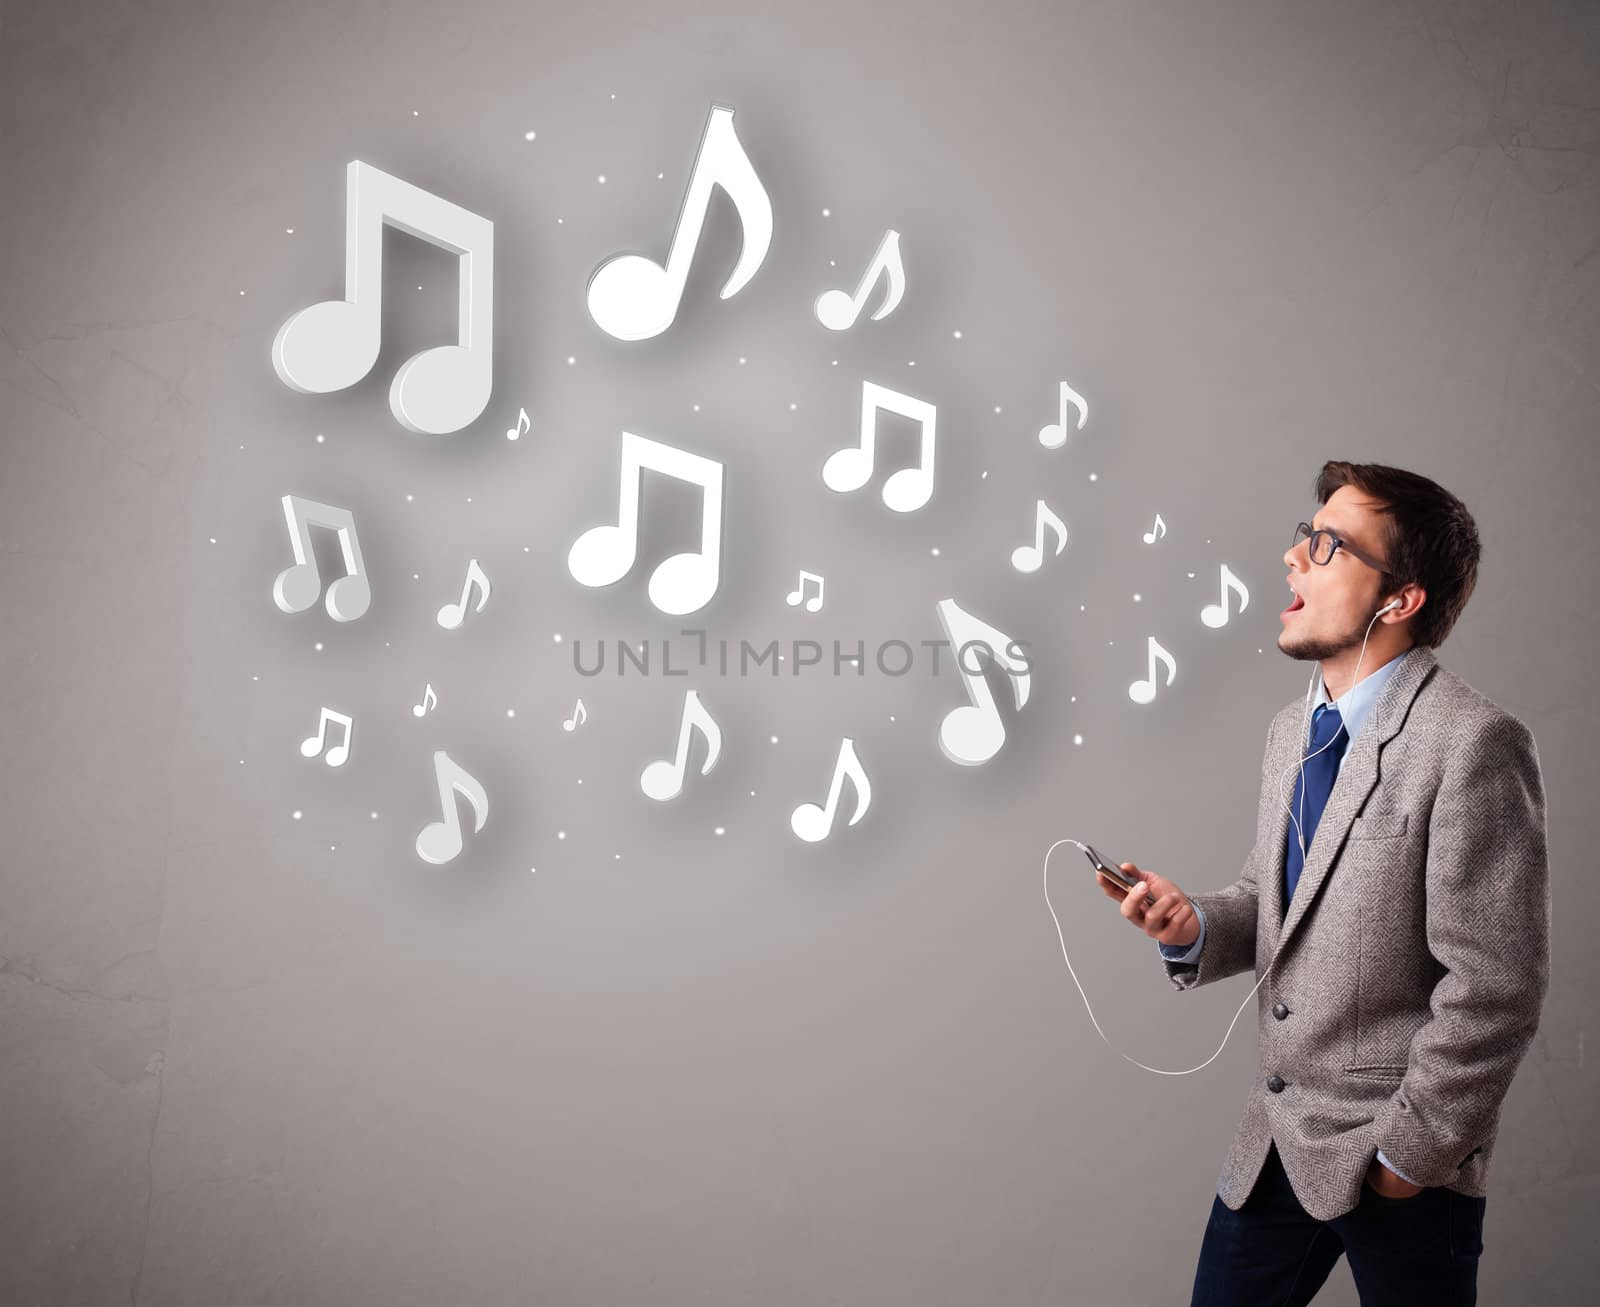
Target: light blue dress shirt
[1354,705]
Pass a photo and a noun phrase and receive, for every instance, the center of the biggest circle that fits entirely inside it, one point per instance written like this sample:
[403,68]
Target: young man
[1396,903]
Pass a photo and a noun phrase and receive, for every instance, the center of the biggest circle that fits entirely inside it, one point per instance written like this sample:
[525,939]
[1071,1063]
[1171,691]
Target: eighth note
[1156,532]
[522,425]
[452,615]
[1054,435]
[663,779]
[836,310]
[312,745]
[812,823]
[794,597]
[850,468]
[1027,558]
[1145,691]
[439,841]
[580,714]
[1215,615]
[633,297]
[298,585]
[429,701]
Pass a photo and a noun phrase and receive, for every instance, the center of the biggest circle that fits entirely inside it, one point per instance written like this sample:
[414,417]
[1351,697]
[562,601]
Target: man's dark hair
[1429,539]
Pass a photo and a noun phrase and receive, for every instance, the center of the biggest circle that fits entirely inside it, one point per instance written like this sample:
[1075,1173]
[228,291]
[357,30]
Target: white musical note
[298,586]
[452,615]
[1156,532]
[522,425]
[1054,435]
[973,733]
[440,841]
[604,554]
[1028,558]
[632,297]
[580,714]
[837,311]
[1215,615]
[796,595]
[812,823]
[333,344]
[663,779]
[312,745]
[429,702]
[850,468]
[1145,691]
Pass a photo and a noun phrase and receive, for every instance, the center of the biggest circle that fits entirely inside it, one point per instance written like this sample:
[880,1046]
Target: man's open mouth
[1298,603]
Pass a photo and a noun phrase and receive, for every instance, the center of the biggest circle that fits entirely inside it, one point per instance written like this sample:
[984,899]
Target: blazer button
[1275,1083]
[1279,1011]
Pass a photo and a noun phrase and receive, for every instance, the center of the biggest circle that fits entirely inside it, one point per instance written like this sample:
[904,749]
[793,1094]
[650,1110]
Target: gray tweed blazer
[1407,978]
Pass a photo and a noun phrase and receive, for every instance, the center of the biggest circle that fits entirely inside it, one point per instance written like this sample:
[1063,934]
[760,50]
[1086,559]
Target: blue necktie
[1319,773]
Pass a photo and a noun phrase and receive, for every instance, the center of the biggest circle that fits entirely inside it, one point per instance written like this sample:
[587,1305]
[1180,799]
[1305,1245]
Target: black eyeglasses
[1324,544]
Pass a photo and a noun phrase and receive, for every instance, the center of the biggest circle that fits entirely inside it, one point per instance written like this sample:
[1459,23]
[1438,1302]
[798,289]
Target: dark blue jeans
[1409,1252]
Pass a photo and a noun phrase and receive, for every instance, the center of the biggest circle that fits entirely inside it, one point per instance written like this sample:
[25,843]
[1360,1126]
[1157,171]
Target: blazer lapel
[1358,774]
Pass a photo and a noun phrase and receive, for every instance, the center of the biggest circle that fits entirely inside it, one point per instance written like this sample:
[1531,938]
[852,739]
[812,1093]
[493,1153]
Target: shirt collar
[1356,702]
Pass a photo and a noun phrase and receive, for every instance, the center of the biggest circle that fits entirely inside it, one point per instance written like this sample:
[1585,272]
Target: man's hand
[1387,1183]
[1170,920]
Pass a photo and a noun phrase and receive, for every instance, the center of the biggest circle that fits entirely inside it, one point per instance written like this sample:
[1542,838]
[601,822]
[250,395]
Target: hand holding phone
[1166,916]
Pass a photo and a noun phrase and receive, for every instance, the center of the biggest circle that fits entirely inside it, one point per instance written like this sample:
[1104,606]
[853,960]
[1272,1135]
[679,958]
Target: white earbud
[1393,603]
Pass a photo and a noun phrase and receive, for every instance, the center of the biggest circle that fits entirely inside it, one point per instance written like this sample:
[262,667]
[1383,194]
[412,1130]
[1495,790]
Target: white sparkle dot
[660,175]
[602,179]
[561,835]
[524,548]
[911,363]
[409,498]
[721,830]
[1082,609]
[752,794]
[319,646]
[891,717]
[1074,699]
[255,678]
[332,847]
[825,213]
[511,712]
[469,499]
[792,407]
[296,814]
[617,856]
[560,220]
[374,816]
[1095,476]
[533,870]
[415,114]
[557,637]
[984,477]
[241,762]
[936,551]
[697,408]
[774,739]
[1191,576]
[613,95]
[1077,739]
[419,287]
[321,439]
[241,292]
[997,408]
[289,231]
[571,359]
[741,358]
[213,540]
[956,334]
[835,362]
[528,136]
[415,576]
[832,263]
[1137,598]
[580,780]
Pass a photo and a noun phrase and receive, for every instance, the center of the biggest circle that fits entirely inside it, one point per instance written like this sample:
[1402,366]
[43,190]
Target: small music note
[429,702]
[1054,435]
[452,615]
[632,297]
[1215,615]
[1145,691]
[837,311]
[812,823]
[522,425]
[682,583]
[440,841]
[333,344]
[796,595]
[1028,558]
[580,714]
[663,779]
[850,468]
[298,586]
[973,733]
[312,745]
[1156,532]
